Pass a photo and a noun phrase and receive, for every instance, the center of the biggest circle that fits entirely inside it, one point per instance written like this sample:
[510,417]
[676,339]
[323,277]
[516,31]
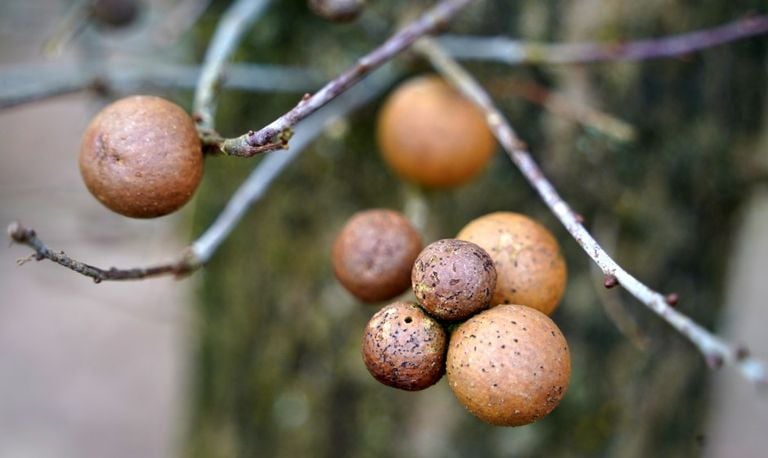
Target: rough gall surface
[141,157]
[404,348]
[373,254]
[531,271]
[509,365]
[453,279]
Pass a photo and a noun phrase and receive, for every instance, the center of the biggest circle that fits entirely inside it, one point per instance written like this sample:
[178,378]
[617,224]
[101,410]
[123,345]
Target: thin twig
[27,83]
[179,20]
[25,236]
[69,26]
[715,350]
[513,52]
[276,134]
[229,32]
[250,192]
[561,105]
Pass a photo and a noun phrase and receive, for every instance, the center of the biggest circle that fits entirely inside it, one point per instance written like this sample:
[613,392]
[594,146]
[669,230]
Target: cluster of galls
[492,287]
[508,364]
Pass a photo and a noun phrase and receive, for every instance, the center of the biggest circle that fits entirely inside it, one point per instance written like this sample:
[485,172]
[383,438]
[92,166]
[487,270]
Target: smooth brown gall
[373,254]
[428,133]
[141,157]
[509,365]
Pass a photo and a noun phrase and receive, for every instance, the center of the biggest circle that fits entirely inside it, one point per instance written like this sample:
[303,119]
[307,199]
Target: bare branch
[229,32]
[32,82]
[517,52]
[25,236]
[715,350]
[250,192]
[276,134]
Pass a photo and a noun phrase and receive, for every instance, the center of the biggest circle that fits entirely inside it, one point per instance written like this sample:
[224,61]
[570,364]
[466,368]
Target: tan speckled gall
[531,270]
[509,365]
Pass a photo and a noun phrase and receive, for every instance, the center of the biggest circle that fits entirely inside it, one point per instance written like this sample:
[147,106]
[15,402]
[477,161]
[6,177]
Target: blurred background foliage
[276,368]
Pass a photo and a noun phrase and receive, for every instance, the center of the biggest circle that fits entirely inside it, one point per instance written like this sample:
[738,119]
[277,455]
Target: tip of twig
[610,281]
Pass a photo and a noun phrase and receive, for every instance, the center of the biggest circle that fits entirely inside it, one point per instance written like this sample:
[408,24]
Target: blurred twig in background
[513,52]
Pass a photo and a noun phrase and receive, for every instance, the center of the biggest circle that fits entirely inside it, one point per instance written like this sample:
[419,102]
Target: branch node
[285,137]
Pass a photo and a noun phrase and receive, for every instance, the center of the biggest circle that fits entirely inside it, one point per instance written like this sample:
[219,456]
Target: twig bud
[610,281]
[672,299]
[742,353]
